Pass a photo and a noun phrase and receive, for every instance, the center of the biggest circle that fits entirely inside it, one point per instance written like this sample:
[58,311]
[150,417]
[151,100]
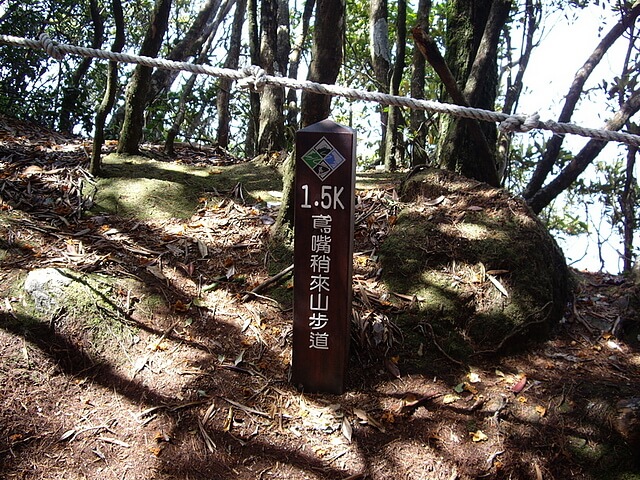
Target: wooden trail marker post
[323,255]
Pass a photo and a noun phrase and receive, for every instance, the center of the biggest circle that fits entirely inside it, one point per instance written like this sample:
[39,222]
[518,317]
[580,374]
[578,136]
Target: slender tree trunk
[394,146]
[189,46]
[552,152]
[294,63]
[138,88]
[628,204]
[326,61]
[110,92]
[224,89]
[72,90]
[417,118]
[380,57]
[187,88]
[251,141]
[271,131]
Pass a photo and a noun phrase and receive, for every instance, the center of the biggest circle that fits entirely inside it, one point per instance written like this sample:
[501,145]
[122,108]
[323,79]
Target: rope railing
[256,78]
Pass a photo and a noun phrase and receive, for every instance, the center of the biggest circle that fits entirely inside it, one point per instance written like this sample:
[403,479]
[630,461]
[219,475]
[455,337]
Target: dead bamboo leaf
[114,441]
[208,441]
[347,429]
[435,201]
[202,248]
[498,285]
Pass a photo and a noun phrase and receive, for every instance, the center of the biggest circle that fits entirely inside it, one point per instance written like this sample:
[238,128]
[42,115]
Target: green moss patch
[487,274]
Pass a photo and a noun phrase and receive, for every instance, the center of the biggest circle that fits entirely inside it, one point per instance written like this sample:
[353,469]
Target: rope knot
[517,123]
[255,78]
[50,47]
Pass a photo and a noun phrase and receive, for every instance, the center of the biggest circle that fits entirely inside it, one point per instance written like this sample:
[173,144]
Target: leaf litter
[216,396]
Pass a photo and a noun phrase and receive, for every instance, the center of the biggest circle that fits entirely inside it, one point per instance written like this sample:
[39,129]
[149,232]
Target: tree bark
[472,39]
[429,49]
[110,92]
[326,61]
[417,118]
[72,90]
[138,88]
[579,163]
[251,140]
[294,63]
[394,146]
[628,206]
[544,167]
[189,46]
[326,58]
[224,89]
[271,130]
[380,58]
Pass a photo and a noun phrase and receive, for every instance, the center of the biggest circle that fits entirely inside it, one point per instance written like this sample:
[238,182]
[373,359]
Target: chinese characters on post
[323,252]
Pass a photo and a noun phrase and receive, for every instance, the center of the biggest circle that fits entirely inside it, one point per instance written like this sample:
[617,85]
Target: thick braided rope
[254,77]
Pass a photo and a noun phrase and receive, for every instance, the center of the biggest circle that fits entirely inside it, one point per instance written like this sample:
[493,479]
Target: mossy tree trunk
[251,139]
[271,135]
[473,32]
[110,92]
[224,90]
[380,53]
[394,146]
[138,88]
[417,118]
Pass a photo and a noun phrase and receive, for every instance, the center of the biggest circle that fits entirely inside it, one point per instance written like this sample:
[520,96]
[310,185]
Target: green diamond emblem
[323,158]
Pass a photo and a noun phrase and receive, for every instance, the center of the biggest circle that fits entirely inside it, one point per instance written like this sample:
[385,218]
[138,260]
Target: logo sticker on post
[323,255]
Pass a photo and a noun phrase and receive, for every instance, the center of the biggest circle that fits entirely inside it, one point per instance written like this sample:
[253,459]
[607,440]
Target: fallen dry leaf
[517,388]
[478,436]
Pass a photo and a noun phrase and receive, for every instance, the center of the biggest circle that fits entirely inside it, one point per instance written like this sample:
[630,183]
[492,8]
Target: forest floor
[172,371]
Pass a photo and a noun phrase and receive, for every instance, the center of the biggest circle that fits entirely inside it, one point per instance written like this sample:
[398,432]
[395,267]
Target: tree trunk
[271,130]
[224,89]
[627,205]
[294,63]
[189,46]
[472,38]
[138,88]
[326,58]
[579,163]
[326,61]
[187,88]
[251,140]
[394,146]
[72,90]
[110,92]
[552,152]
[380,58]
[417,118]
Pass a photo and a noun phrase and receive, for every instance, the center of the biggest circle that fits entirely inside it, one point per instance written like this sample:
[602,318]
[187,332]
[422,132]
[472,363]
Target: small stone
[46,287]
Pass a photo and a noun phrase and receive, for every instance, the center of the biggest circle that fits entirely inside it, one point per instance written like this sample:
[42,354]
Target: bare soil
[184,376]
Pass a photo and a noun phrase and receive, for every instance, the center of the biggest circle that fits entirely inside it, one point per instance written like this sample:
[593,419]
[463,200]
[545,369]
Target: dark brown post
[323,255]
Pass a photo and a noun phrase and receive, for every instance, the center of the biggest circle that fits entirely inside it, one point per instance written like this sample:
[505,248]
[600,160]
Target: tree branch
[429,49]
[581,161]
[552,152]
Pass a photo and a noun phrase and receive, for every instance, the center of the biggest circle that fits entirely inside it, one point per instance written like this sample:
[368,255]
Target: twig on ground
[267,283]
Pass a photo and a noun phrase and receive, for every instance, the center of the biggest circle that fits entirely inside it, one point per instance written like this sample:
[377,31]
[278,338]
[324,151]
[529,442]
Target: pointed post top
[327,126]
